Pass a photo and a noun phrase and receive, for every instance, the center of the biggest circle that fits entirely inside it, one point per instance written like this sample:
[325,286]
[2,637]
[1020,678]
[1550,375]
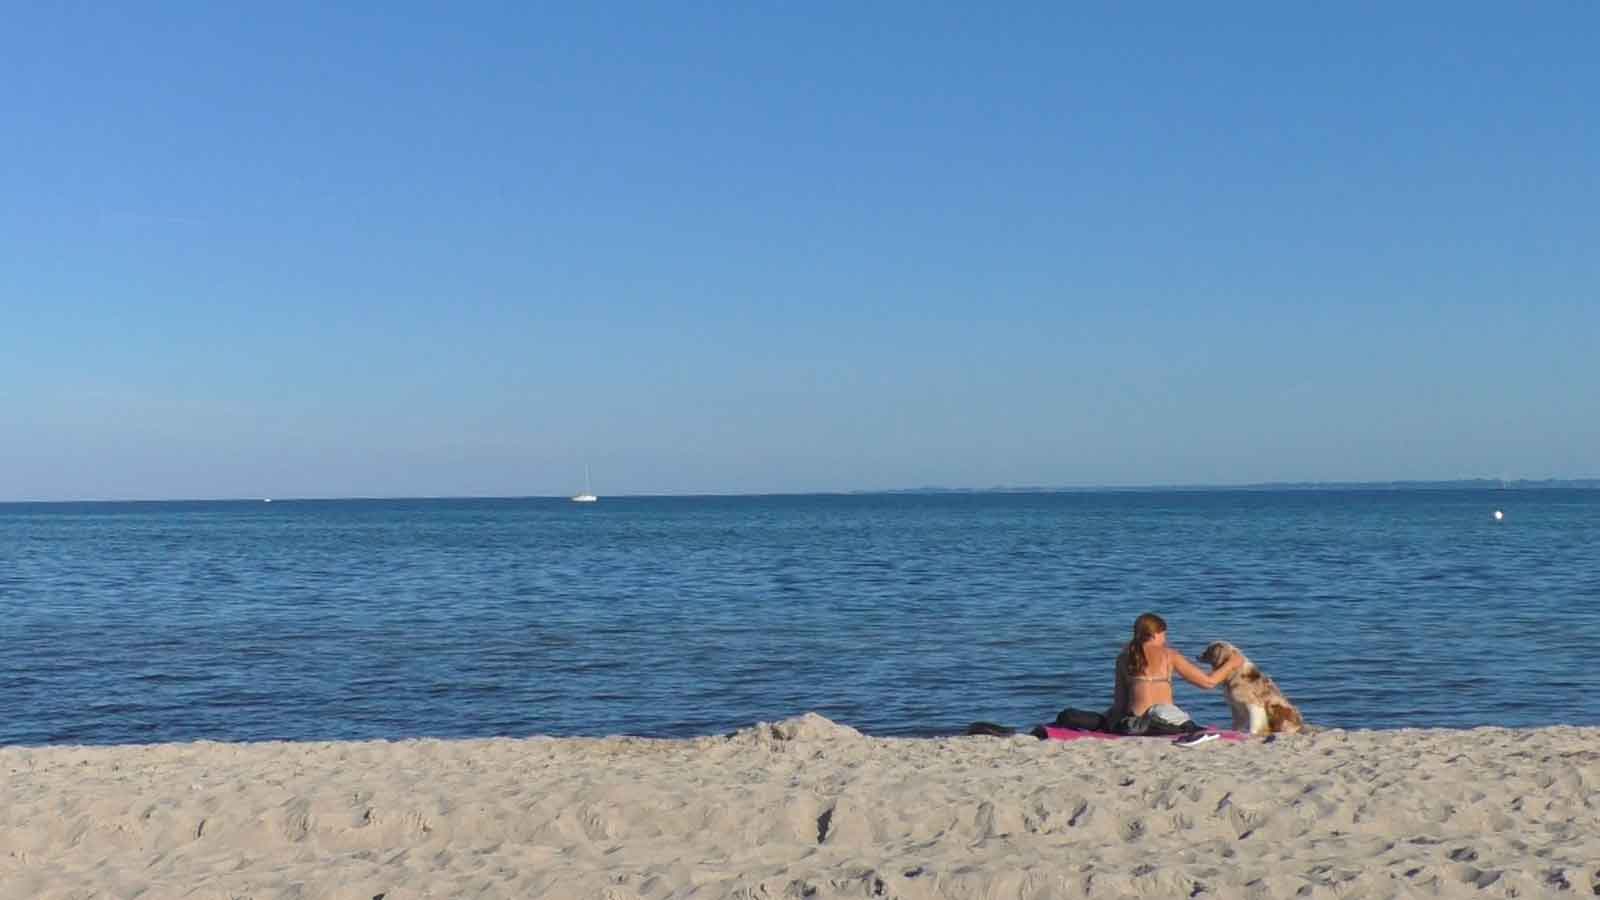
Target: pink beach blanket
[1057,733]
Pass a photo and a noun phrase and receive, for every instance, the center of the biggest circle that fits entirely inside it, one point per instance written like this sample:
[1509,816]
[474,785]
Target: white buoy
[1498,515]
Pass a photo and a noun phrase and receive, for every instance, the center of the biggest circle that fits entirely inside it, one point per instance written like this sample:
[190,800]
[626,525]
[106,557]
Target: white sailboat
[588,492]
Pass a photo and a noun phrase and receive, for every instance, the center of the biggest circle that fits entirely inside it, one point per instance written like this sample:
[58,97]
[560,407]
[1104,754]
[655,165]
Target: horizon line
[1588,483]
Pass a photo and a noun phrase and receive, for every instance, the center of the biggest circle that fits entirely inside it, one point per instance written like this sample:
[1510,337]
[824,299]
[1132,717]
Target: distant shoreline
[1477,484]
[1586,484]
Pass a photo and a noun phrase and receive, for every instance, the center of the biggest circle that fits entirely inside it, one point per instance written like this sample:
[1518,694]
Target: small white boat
[588,492]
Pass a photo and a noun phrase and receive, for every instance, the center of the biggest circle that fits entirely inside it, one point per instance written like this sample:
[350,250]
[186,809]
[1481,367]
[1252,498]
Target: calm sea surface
[896,614]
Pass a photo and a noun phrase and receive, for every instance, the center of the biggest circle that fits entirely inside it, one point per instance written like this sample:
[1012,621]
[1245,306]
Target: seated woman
[1144,678]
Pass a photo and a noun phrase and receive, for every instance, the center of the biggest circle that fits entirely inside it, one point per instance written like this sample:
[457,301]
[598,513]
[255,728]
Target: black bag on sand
[1081,719]
[990,728]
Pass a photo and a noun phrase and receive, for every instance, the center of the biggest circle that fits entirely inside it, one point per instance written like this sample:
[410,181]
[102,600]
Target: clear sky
[273,250]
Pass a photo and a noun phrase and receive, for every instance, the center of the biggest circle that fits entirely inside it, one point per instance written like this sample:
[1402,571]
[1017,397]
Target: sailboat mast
[588,487]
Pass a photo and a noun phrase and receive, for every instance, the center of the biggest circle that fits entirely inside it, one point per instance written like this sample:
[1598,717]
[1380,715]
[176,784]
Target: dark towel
[991,729]
[1081,719]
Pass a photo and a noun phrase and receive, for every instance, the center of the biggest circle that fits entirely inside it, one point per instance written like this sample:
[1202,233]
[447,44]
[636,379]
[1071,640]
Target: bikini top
[1167,679]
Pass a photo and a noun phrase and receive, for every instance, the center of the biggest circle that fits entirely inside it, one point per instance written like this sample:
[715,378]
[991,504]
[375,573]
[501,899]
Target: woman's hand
[1200,678]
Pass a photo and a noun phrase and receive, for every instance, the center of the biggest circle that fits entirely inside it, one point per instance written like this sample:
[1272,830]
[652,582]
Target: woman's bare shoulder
[1176,659]
[1183,665]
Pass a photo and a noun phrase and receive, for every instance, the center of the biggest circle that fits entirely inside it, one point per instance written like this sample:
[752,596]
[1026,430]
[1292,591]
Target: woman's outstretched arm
[1200,678]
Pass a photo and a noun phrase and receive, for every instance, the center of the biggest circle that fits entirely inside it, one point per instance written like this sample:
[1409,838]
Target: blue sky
[458,251]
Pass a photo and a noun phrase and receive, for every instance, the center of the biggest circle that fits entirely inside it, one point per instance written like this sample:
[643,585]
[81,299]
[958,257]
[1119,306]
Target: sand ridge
[810,808]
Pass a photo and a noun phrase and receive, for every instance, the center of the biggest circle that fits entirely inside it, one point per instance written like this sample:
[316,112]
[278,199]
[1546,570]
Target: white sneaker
[1201,737]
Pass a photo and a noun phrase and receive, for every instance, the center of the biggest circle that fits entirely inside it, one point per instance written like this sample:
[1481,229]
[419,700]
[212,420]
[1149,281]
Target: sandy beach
[810,808]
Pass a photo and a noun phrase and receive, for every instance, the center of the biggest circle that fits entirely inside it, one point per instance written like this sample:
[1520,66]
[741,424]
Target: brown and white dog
[1257,704]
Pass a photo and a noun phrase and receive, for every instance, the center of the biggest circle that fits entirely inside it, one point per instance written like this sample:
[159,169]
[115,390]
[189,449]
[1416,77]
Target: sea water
[895,614]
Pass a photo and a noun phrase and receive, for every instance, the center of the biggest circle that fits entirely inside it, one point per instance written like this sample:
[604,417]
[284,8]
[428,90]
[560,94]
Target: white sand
[807,808]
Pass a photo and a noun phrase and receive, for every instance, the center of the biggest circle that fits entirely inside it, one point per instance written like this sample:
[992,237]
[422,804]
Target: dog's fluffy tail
[1284,719]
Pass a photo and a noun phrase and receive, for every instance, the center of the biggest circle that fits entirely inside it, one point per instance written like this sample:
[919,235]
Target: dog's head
[1219,652]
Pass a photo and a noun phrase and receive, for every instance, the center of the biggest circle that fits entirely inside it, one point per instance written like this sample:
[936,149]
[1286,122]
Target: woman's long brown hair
[1145,627]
